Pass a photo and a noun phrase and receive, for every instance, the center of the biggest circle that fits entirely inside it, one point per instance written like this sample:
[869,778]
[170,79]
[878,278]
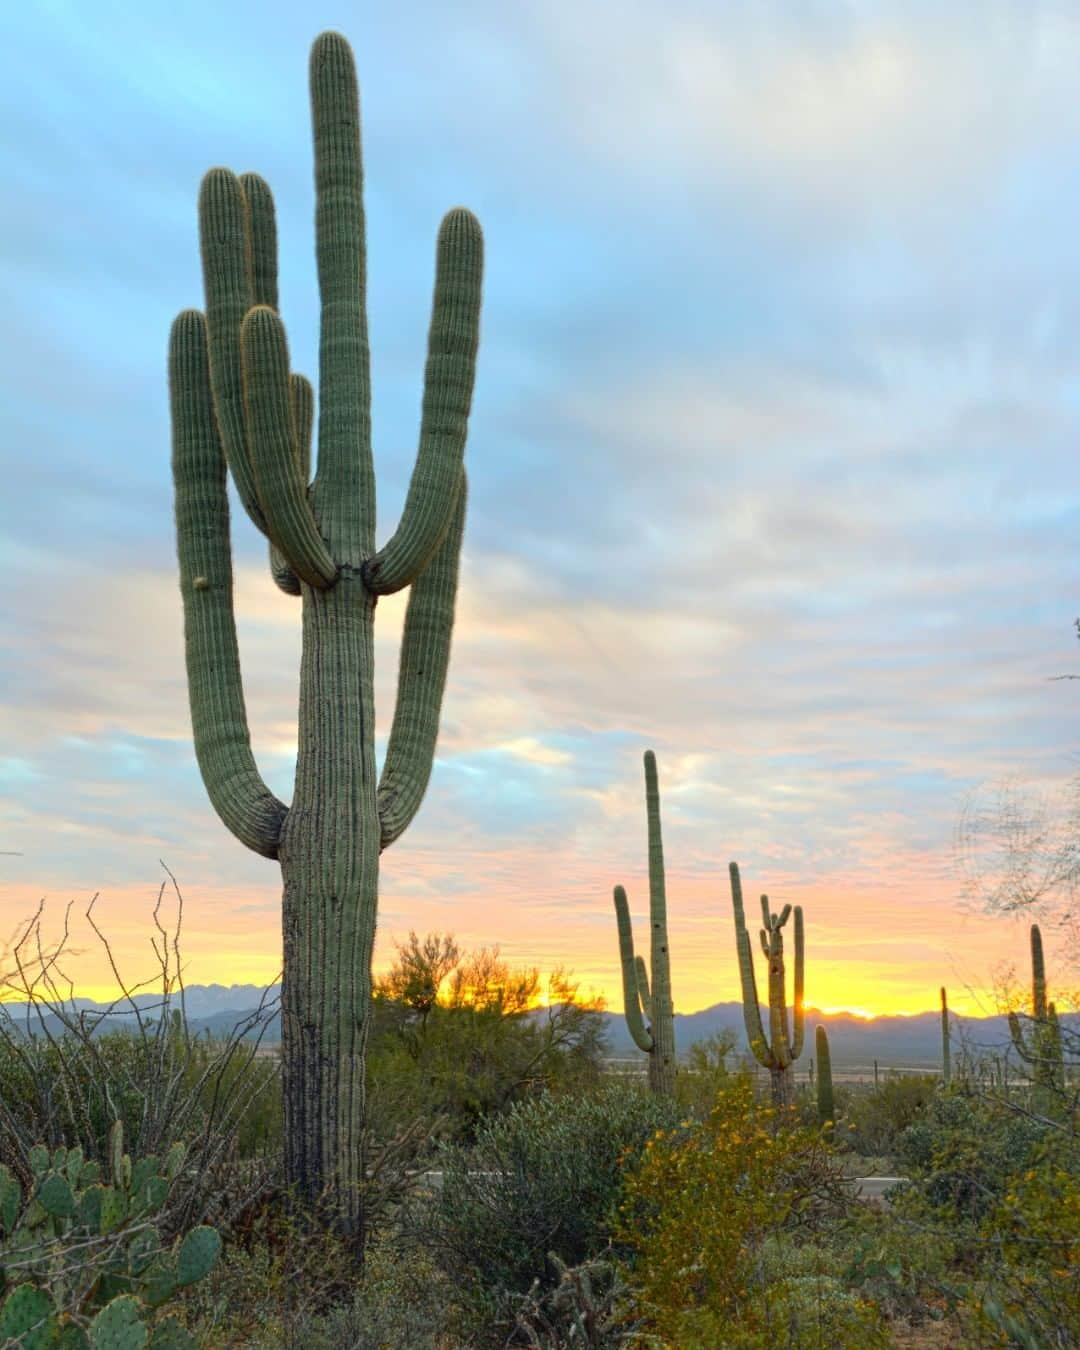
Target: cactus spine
[234,402]
[826,1111]
[650,1015]
[946,1056]
[781,1049]
[1042,1052]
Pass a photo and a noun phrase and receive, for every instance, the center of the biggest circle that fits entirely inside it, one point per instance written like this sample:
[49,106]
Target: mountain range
[897,1042]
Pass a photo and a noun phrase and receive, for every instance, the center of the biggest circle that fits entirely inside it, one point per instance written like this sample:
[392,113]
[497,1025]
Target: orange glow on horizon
[231,936]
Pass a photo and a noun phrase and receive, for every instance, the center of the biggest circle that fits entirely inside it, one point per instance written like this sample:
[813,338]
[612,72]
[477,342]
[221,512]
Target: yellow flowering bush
[700,1210]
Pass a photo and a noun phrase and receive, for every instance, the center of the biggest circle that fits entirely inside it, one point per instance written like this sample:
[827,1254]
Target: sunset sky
[773,461]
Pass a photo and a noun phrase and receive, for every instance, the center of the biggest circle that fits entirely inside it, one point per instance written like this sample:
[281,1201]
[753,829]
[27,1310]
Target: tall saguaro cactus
[1042,1052]
[946,1048]
[784,1045]
[650,1014]
[235,402]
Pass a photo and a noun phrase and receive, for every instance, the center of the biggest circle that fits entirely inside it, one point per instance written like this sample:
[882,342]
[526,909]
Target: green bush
[545,1177]
[880,1115]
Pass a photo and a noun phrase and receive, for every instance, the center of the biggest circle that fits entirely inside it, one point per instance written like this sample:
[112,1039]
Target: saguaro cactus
[826,1110]
[784,1046]
[1042,1051]
[946,1056]
[649,1011]
[234,401]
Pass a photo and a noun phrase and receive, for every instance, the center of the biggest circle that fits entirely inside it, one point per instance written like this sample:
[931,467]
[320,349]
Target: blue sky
[772,458]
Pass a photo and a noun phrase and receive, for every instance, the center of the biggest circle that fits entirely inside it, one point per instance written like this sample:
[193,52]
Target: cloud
[771,456]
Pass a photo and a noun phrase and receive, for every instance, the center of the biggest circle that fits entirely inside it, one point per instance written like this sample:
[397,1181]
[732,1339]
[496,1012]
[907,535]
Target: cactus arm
[766,917]
[764,942]
[946,1048]
[225,236]
[1055,1074]
[302,403]
[282,491]
[825,1104]
[218,716]
[1017,1034]
[448,385]
[262,226]
[643,986]
[631,1000]
[1038,973]
[755,1032]
[425,655]
[344,490]
[799,1014]
[785,914]
[262,235]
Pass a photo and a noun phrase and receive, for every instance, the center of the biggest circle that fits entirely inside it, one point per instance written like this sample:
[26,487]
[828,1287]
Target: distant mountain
[898,1042]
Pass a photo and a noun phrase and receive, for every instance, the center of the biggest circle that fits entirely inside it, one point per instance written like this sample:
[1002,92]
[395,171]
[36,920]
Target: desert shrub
[701,1216]
[1001,1187]
[964,1152]
[283,1286]
[544,1177]
[459,1038]
[68,1073]
[705,1072]
[879,1116]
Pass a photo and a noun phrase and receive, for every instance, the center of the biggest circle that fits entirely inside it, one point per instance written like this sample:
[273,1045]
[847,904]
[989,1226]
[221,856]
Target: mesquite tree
[784,1047]
[235,402]
[650,1015]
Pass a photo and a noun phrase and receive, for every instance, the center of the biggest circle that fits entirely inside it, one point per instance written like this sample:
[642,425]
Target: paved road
[874,1188]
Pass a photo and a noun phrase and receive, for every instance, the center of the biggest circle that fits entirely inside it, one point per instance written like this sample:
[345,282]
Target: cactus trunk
[825,1106]
[329,857]
[946,1056]
[234,402]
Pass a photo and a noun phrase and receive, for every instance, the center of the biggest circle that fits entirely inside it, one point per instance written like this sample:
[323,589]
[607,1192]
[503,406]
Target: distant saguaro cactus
[946,1056]
[826,1110]
[650,1014]
[784,1046]
[1042,1052]
[234,402]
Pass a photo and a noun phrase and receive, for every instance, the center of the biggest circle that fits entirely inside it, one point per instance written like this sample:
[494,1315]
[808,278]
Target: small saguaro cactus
[783,1047]
[826,1110]
[946,1056]
[234,402]
[650,1015]
[1042,1052]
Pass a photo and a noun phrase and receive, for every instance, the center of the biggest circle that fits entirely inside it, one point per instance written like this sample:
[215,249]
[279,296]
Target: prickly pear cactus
[76,1249]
